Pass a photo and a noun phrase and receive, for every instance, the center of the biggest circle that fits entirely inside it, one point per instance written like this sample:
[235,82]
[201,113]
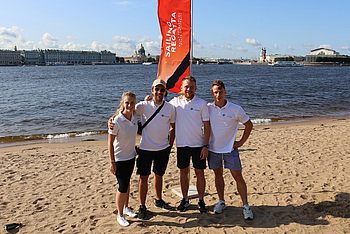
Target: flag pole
[191,51]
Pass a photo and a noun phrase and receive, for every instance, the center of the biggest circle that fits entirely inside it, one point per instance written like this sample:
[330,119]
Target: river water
[68,101]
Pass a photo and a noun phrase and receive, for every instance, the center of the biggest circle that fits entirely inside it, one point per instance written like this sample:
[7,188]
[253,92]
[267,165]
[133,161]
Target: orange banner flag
[175,25]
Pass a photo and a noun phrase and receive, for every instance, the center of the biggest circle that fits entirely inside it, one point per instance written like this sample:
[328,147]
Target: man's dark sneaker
[201,207]
[142,213]
[183,205]
[162,204]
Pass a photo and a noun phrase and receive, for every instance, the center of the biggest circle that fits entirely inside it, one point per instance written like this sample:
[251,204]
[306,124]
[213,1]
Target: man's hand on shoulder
[110,122]
[148,98]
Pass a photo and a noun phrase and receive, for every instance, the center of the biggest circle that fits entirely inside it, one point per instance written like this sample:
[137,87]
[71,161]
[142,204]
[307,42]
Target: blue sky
[222,28]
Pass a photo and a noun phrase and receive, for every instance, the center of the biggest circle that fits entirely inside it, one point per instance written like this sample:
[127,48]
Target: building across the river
[55,57]
[10,57]
[140,57]
[326,56]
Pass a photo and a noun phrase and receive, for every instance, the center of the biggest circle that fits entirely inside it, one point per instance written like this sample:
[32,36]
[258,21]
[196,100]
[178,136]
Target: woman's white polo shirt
[124,142]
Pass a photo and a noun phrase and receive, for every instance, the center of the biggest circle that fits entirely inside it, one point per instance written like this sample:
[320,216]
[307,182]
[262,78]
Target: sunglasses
[159,89]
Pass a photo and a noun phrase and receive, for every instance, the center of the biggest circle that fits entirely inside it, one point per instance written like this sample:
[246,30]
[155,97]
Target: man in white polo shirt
[156,143]
[223,147]
[192,136]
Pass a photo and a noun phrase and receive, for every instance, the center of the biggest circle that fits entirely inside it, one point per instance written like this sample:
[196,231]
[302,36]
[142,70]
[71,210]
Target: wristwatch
[206,146]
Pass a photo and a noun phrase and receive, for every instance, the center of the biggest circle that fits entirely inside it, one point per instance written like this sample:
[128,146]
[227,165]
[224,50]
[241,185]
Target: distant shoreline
[231,62]
[102,135]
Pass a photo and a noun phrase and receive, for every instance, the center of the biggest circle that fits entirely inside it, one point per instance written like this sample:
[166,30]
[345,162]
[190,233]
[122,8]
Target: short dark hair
[218,83]
[190,78]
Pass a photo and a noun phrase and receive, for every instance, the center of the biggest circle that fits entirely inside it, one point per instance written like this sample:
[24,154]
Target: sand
[298,178]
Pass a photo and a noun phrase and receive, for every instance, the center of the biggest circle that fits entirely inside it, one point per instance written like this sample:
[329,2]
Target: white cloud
[70,38]
[74,46]
[123,46]
[96,46]
[12,36]
[151,47]
[197,46]
[252,41]
[122,39]
[48,41]
[122,2]
[242,49]
[345,49]
[9,32]
[8,37]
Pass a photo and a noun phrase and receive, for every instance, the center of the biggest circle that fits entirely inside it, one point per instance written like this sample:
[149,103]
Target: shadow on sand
[265,216]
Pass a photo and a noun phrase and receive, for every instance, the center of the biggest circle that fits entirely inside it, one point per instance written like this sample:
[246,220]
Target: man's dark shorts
[184,155]
[159,158]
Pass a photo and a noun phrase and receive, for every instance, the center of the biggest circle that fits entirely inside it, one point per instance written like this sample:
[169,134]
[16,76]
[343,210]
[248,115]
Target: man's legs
[241,185]
[143,189]
[200,183]
[199,165]
[185,181]
[161,159]
[158,186]
[242,190]
[219,183]
[143,163]
[183,163]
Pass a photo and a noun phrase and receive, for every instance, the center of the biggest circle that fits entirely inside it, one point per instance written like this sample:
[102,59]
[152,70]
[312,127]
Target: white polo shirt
[155,134]
[189,121]
[124,142]
[224,126]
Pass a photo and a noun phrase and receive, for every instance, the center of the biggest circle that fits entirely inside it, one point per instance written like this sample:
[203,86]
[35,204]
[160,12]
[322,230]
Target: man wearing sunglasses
[156,142]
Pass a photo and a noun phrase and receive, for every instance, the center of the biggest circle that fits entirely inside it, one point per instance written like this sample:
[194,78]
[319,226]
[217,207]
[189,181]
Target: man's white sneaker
[129,212]
[219,207]
[248,213]
[122,221]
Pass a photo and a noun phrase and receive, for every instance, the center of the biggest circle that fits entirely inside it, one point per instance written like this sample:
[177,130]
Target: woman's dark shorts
[123,174]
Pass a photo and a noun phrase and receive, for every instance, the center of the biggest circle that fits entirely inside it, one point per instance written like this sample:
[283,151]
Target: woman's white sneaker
[122,221]
[129,212]
[219,207]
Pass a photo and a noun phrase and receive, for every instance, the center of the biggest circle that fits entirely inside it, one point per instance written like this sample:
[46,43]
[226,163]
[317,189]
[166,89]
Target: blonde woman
[121,148]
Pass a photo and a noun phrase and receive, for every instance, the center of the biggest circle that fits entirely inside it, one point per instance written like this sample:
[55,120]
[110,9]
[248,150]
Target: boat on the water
[147,63]
[286,64]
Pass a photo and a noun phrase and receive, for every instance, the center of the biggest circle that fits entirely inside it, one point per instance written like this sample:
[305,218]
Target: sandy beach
[298,178]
